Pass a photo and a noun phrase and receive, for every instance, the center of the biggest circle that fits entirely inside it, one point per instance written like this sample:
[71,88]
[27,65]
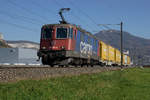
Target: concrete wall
[18,55]
[8,55]
[28,56]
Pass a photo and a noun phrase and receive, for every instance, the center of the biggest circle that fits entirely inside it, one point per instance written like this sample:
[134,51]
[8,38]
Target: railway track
[52,67]
[13,73]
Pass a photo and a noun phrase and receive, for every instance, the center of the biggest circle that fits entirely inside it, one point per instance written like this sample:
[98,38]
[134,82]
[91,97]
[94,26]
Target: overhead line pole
[121,39]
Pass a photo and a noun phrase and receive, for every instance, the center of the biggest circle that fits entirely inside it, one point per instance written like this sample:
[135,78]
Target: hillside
[23,44]
[138,47]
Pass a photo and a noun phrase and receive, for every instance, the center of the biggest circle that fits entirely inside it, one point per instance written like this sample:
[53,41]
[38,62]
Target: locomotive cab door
[72,38]
[47,34]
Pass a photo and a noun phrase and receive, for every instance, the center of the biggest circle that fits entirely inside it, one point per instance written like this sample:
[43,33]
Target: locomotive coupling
[39,55]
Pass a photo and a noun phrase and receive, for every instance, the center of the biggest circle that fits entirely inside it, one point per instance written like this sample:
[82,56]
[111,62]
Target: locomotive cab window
[61,33]
[47,33]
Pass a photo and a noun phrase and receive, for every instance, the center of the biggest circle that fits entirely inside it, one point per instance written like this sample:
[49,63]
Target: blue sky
[22,19]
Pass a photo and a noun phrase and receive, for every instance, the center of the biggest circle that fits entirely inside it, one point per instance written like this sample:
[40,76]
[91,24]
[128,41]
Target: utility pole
[121,39]
[121,42]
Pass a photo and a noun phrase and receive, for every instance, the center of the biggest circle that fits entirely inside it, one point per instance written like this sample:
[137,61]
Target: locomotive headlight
[43,47]
[63,47]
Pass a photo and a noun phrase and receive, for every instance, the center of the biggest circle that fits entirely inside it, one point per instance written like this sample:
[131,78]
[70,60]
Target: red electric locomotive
[64,43]
[57,41]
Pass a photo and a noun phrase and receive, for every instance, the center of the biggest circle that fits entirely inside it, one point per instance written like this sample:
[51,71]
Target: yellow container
[117,56]
[111,53]
[103,51]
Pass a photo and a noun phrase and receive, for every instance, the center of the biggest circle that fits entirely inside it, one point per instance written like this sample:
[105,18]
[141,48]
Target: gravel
[15,73]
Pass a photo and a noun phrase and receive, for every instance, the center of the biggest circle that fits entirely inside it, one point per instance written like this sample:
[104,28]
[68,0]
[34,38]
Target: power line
[105,26]
[59,4]
[23,18]
[41,21]
[43,7]
[27,10]
[78,18]
[86,15]
[75,16]
[19,26]
[29,18]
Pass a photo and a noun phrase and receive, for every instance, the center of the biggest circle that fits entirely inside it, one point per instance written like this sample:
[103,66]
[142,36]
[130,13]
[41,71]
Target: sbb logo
[85,48]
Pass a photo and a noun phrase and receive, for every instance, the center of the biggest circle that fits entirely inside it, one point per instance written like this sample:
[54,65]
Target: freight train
[68,44]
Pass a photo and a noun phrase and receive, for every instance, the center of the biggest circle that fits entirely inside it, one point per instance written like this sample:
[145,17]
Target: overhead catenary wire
[73,14]
[85,14]
[19,26]
[32,20]
[90,18]
[22,18]
[78,18]
[105,26]
[16,17]
[43,7]
[27,10]
[59,4]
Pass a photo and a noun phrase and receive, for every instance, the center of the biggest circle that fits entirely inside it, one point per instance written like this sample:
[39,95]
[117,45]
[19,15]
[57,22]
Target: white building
[18,55]
[1,36]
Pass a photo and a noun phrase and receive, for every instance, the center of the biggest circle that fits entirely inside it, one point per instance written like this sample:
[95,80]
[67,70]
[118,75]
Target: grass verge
[129,84]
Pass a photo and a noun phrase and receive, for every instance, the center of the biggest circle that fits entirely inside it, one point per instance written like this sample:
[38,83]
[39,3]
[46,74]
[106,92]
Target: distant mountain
[23,44]
[138,47]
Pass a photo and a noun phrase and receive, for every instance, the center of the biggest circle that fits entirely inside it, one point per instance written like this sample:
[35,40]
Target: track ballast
[14,73]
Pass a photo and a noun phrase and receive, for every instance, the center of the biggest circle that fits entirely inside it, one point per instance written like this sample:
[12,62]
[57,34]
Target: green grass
[129,84]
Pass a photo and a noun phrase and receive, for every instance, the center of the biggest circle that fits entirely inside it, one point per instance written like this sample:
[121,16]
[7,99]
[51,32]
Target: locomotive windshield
[61,33]
[47,33]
